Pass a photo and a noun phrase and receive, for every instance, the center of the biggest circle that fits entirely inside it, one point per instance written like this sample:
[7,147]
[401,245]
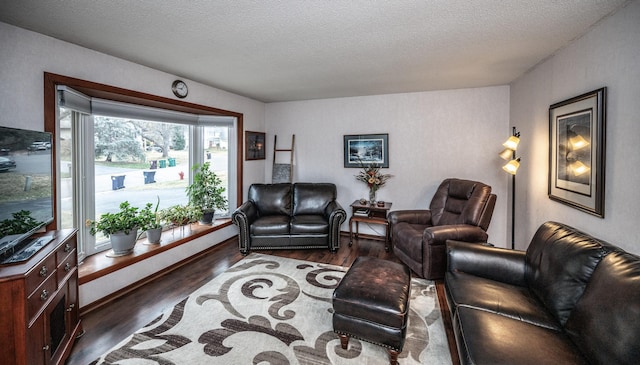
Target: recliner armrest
[494,263]
[415,216]
[438,235]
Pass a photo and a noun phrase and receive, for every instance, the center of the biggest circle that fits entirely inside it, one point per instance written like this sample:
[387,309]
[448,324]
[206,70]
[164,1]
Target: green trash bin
[172,162]
[163,163]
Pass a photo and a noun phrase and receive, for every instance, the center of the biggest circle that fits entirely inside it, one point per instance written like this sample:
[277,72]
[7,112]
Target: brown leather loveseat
[287,216]
[569,299]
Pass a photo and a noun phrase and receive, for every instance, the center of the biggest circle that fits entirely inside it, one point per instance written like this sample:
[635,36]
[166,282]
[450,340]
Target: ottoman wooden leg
[344,341]
[393,357]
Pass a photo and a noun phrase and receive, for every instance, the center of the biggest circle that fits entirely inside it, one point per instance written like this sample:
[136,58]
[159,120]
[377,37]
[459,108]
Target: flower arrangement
[374,179]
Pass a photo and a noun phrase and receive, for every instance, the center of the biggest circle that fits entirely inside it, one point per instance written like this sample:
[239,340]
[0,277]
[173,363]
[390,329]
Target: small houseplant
[150,222]
[206,192]
[179,215]
[121,228]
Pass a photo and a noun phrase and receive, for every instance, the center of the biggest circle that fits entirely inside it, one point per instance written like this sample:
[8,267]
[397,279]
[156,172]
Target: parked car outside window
[7,164]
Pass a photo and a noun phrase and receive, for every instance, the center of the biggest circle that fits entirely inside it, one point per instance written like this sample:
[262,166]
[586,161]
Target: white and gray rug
[273,310]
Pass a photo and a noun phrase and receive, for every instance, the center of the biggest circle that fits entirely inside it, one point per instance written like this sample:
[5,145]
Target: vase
[372,196]
[154,235]
[122,244]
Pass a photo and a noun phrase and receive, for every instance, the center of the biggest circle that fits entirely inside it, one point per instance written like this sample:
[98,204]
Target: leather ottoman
[371,303]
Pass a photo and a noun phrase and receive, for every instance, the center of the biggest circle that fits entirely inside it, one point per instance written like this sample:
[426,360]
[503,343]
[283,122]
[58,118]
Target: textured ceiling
[303,49]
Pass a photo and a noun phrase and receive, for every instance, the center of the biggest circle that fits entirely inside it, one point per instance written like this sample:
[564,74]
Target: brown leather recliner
[460,210]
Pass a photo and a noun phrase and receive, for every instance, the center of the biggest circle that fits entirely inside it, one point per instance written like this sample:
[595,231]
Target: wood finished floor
[108,325]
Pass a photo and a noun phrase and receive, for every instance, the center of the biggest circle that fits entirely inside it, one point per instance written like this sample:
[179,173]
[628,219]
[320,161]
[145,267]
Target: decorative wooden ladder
[282,172]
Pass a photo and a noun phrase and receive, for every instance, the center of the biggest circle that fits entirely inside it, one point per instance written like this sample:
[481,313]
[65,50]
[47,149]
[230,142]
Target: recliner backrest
[460,201]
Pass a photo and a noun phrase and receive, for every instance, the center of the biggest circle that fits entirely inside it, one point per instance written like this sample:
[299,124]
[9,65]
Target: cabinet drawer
[39,273]
[65,267]
[40,296]
[63,251]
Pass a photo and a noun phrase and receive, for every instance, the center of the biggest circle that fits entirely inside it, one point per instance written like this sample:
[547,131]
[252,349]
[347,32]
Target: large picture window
[112,151]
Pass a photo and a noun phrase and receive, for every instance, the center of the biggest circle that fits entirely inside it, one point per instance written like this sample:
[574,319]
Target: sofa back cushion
[271,199]
[312,198]
[558,264]
[605,322]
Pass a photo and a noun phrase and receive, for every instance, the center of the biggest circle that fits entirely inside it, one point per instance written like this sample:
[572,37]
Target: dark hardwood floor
[106,326]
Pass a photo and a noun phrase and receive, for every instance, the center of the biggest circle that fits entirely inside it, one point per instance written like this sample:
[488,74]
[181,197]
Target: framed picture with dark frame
[577,151]
[366,149]
[254,145]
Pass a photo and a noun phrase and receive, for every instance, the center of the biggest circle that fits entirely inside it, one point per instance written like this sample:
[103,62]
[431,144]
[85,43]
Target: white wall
[608,55]
[432,136]
[25,56]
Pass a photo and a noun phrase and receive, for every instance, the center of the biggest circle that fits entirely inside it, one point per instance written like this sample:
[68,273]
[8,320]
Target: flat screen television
[26,191]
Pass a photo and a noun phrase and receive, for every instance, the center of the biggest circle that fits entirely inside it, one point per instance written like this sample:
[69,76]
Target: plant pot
[122,244]
[154,235]
[207,217]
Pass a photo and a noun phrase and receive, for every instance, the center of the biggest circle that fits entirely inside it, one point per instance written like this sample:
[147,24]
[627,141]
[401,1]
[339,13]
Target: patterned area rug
[273,310]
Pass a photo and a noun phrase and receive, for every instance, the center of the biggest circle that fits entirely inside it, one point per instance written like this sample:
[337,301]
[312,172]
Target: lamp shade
[577,142]
[506,154]
[579,168]
[512,166]
[512,143]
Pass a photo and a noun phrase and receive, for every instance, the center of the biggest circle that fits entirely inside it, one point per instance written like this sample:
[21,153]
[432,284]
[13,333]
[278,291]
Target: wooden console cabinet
[39,317]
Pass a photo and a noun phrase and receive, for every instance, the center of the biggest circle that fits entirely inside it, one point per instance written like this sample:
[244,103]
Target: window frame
[92,89]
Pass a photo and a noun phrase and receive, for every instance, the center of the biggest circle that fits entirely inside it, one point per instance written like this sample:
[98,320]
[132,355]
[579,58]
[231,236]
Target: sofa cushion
[488,338]
[559,262]
[271,225]
[271,199]
[309,224]
[497,297]
[312,198]
[605,324]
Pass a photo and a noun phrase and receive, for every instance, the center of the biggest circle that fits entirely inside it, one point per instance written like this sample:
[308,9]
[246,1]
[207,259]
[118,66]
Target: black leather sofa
[569,299]
[288,216]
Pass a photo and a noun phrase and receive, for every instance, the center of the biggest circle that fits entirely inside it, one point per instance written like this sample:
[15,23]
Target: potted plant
[150,222]
[121,228]
[206,192]
[180,215]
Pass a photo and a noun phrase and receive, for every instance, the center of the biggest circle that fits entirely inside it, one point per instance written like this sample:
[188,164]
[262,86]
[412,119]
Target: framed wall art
[254,145]
[366,149]
[577,151]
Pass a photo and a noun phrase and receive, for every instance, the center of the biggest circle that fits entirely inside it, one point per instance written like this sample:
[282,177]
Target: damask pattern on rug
[272,310]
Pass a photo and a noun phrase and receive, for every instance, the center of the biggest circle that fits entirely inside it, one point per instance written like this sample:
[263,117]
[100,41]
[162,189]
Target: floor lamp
[509,154]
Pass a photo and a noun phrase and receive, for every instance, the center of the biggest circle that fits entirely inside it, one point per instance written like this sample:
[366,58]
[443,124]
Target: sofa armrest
[335,215]
[243,217]
[415,216]
[504,265]
[438,235]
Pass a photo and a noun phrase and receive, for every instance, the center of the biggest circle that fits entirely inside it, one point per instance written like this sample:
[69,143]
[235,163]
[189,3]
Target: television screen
[26,187]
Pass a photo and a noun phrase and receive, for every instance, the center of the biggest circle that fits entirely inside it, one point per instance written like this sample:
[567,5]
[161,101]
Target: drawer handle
[71,306]
[43,271]
[67,267]
[67,247]
[44,295]
[45,348]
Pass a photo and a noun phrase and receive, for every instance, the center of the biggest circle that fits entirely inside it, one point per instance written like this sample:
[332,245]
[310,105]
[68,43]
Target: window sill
[99,265]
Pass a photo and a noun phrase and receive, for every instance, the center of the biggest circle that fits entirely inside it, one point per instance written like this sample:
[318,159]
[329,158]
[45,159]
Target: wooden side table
[376,215]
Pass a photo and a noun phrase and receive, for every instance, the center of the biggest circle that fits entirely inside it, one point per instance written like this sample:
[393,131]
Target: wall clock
[180,89]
